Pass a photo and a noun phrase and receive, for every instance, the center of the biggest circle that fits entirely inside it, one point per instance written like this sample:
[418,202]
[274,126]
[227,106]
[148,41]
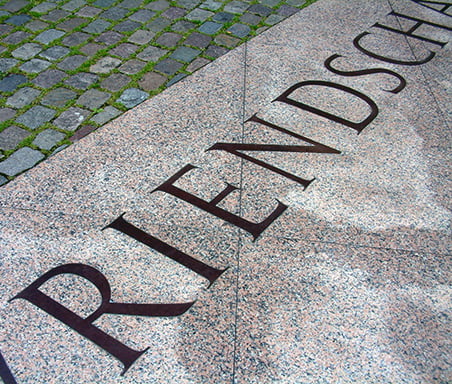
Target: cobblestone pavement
[69,66]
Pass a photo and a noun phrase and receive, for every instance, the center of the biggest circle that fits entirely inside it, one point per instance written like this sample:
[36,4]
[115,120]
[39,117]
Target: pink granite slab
[350,283]
[325,313]
[194,347]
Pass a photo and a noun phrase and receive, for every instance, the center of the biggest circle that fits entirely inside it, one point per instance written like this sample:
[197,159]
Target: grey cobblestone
[7,64]
[82,80]
[105,65]
[49,78]
[93,99]
[58,97]
[48,36]
[18,19]
[6,114]
[239,30]
[185,54]
[55,53]
[132,97]
[210,27]
[114,13]
[3,180]
[15,5]
[71,119]
[151,81]
[168,66]
[36,116]
[97,26]
[16,37]
[141,37]
[71,63]
[11,82]
[35,66]
[199,15]
[142,16]
[11,137]
[158,5]
[48,139]
[151,54]
[44,7]
[23,97]
[115,82]
[89,11]
[106,115]
[21,160]
[132,66]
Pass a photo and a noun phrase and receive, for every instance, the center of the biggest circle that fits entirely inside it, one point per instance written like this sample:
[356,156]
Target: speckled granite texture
[350,282]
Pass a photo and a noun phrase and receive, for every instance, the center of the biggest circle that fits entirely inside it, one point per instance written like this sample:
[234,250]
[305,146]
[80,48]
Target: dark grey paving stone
[141,37]
[249,18]
[296,3]
[48,139]
[132,66]
[239,30]
[11,137]
[197,63]
[151,81]
[4,13]
[82,80]
[115,82]
[89,11]
[188,4]
[44,7]
[70,24]
[131,4]
[7,64]
[93,99]
[27,51]
[109,38]
[142,16]
[97,26]
[23,97]
[6,114]
[36,25]
[21,160]
[106,115]
[75,38]
[199,14]
[176,79]
[215,51]
[210,27]
[15,5]
[71,63]
[71,119]
[227,40]
[114,13]
[58,97]
[55,15]
[185,54]
[55,53]
[168,66]
[127,26]
[35,66]
[48,36]
[4,29]
[49,78]
[3,180]
[105,65]
[73,5]
[169,39]
[132,97]
[260,10]
[11,82]
[91,49]
[36,116]
[124,50]
[158,24]
[236,7]
[211,5]
[151,54]
[158,5]
[18,19]
[274,19]
[287,10]
[16,37]
[198,40]
[223,17]
[183,26]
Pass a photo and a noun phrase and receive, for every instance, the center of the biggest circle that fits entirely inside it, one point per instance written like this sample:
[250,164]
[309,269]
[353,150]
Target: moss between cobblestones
[106,51]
